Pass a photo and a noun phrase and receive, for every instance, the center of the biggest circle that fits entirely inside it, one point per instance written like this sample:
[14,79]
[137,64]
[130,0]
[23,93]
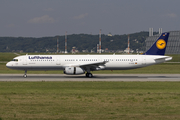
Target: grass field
[89,100]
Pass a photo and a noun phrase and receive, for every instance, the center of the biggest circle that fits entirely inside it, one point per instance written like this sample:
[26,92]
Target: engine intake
[74,71]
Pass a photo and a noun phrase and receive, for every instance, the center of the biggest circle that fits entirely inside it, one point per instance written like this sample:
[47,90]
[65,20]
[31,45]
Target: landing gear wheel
[25,76]
[89,75]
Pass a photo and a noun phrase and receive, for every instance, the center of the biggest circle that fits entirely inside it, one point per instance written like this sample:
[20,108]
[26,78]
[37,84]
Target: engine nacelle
[73,71]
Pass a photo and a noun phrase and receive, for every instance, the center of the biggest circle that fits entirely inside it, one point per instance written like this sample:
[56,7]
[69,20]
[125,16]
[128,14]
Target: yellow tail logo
[161,44]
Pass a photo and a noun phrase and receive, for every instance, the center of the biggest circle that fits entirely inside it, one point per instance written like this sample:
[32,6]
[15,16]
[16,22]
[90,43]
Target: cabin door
[25,60]
[58,61]
[143,59]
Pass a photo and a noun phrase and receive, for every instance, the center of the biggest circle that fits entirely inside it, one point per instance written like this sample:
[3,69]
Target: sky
[43,18]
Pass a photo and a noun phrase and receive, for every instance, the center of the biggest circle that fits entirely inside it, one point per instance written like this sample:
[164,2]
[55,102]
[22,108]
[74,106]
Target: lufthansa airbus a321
[84,64]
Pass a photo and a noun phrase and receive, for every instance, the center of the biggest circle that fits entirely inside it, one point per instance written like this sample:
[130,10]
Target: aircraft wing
[92,66]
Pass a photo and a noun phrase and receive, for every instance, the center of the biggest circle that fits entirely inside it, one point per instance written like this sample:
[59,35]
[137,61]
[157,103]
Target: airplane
[84,64]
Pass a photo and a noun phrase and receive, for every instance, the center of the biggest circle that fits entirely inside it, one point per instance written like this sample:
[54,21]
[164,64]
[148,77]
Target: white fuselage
[60,62]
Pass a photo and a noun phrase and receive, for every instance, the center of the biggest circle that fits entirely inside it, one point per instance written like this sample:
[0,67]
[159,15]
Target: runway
[97,77]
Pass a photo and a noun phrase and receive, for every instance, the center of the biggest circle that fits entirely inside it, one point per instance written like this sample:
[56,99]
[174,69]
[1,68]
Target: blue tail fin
[159,47]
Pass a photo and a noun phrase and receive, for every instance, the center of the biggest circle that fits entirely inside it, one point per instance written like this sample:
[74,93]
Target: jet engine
[73,71]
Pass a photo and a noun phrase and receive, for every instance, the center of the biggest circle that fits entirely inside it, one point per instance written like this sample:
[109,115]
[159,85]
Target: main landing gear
[89,75]
[25,74]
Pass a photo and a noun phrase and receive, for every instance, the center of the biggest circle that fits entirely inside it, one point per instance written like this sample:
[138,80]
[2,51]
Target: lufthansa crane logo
[161,44]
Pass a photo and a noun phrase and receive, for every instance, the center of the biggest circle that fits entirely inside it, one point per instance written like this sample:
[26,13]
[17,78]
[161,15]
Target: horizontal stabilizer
[163,59]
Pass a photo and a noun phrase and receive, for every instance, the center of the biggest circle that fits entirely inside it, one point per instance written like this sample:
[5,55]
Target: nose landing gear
[25,74]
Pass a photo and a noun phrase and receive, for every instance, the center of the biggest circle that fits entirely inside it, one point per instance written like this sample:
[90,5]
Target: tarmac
[96,77]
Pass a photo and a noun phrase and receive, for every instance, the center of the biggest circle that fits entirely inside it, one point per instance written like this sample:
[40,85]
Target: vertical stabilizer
[159,47]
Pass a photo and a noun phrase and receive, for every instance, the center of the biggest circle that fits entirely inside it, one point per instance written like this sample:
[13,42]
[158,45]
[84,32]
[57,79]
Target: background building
[173,45]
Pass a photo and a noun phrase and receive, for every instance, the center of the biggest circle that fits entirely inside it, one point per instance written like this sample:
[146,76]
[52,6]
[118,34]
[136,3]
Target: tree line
[80,41]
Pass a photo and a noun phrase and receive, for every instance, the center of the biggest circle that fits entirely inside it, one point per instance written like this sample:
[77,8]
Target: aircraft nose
[8,64]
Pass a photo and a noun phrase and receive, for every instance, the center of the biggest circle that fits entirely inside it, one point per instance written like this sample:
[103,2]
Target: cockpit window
[15,60]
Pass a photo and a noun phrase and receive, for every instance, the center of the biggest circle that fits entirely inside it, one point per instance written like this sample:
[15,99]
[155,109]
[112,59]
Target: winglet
[159,47]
